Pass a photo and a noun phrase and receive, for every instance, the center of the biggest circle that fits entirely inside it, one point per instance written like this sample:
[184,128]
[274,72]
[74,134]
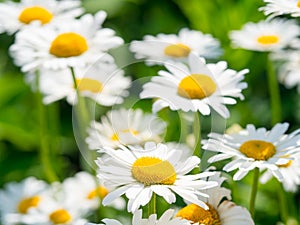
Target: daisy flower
[86,191]
[221,212]
[17,199]
[103,83]
[196,87]
[266,36]
[60,208]
[255,148]
[289,68]
[15,16]
[163,47]
[281,7]
[154,169]
[71,43]
[165,219]
[126,127]
[290,173]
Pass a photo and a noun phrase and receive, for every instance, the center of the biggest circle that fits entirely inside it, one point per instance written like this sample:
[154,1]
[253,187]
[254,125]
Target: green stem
[254,191]
[43,136]
[197,135]
[81,121]
[152,205]
[282,203]
[183,127]
[274,93]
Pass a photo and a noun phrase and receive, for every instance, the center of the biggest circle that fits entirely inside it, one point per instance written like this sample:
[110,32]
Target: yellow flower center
[177,50]
[60,216]
[115,136]
[27,203]
[150,170]
[87,84]
[199,215]
[68,45]
[196,86]
[259,150]
[97,192]
[35,13]
[298,4]
[268,39]
[286,165]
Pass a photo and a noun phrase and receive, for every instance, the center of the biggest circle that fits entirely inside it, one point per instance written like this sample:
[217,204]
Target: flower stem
[43,136]
[81,121]
[183,127]
[197,135]
[274,93]
[254,191]
[282,203]
[152,205]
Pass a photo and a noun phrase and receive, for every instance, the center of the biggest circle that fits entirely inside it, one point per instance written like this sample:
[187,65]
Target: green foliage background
[132,19]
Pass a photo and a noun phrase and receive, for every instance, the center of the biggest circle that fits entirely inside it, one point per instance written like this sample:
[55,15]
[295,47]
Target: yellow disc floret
[177,50]
[151,170]
[27,203]
[196,86]
[268,39]
[68,45]
[100,192]
[35,13]
[87,84]
[115,136]
[258,150]
[196,214]
[298,4]
[60,216]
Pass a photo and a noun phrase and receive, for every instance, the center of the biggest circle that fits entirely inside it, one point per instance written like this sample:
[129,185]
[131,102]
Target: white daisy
[15,16]
[163,47]
[221,212]
[85,190]
[289,74]
[17,199]
[126,127]
[61,208]
[266,35]
[254,148]
[165,219]
[155,169]
[197,87]
[103,83]
[281,7]
[290,172]
[71,43]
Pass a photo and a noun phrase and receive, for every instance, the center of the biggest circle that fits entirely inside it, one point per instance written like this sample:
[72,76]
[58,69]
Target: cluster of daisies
[65,55]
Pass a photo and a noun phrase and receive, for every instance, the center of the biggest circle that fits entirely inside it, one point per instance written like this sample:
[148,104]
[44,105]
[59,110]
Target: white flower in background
[14,16]
[163,47]
[165,219]
[125,127]
[290,172]
[266,35]
[196,87]
[281,7]
[255,148]
[61,208]
[221,212]
[289,70]
[70,43]
[103,82]
[138,173]
[85,190]
[18,199]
